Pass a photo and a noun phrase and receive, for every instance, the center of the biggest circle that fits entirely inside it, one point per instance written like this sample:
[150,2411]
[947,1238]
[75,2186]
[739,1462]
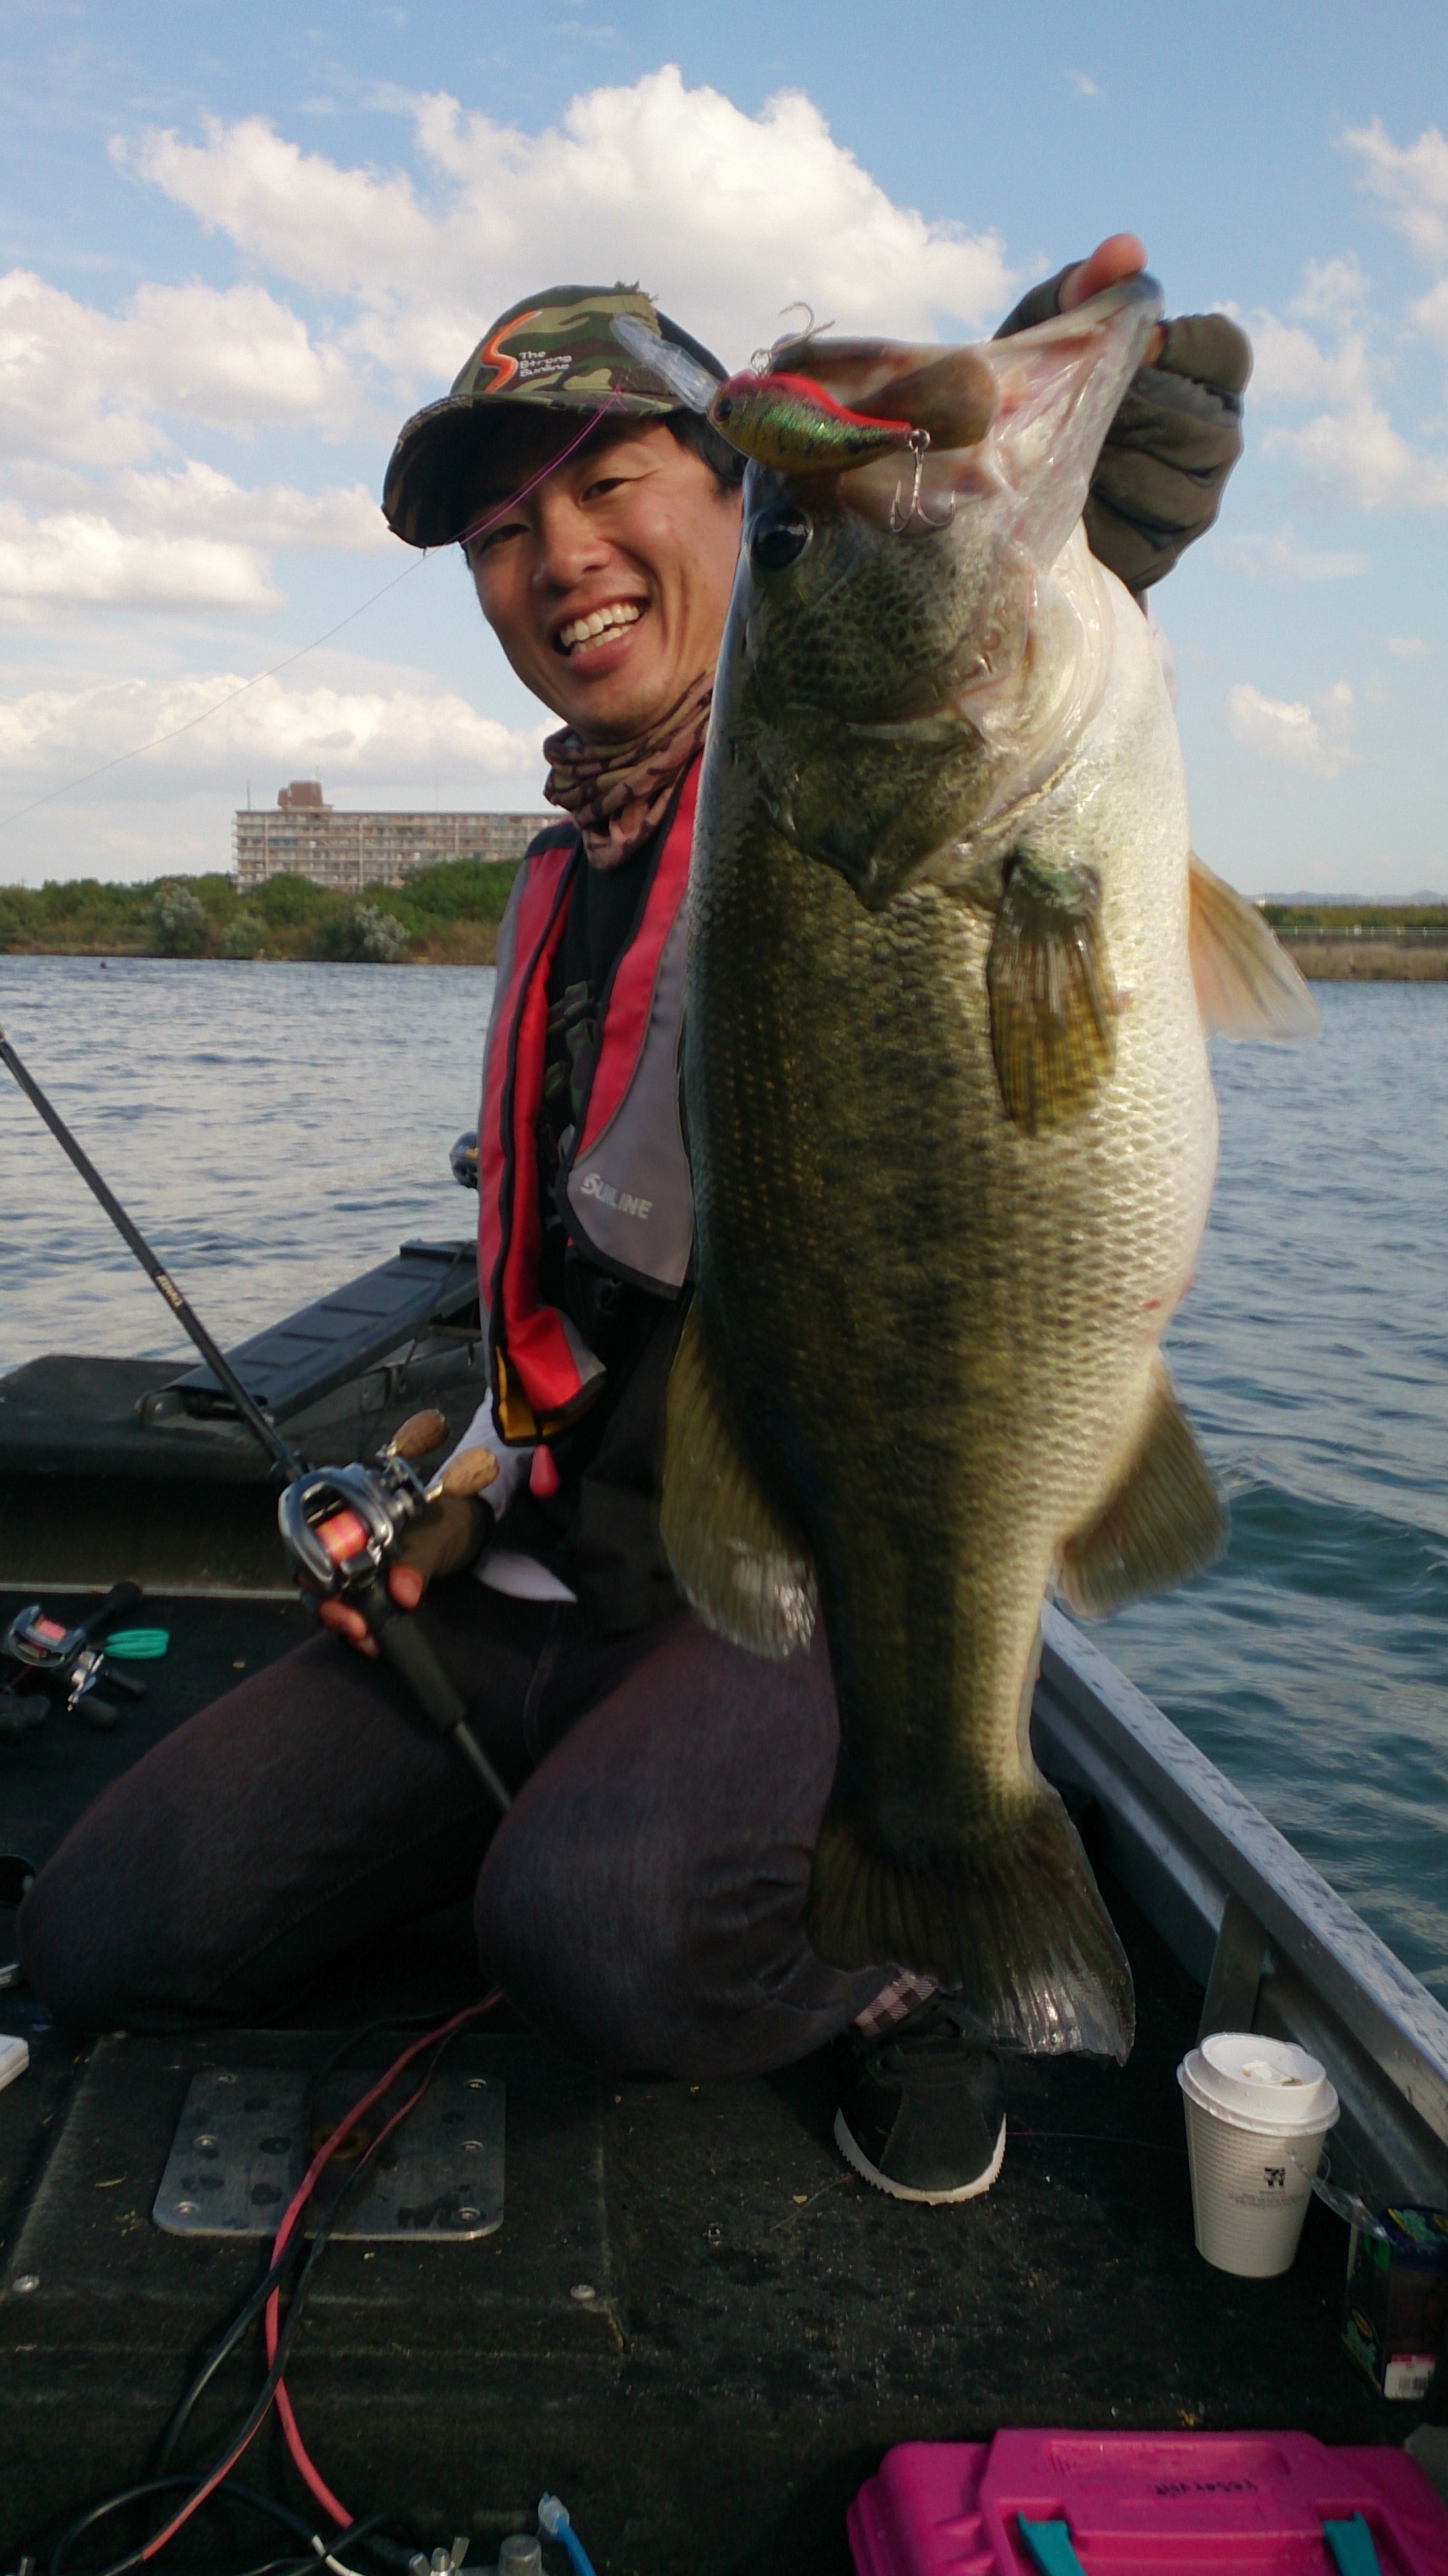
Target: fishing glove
[447,1536]
[1176,436]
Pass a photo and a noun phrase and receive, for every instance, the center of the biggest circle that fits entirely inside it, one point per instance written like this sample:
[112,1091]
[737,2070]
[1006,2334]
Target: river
[273,1128]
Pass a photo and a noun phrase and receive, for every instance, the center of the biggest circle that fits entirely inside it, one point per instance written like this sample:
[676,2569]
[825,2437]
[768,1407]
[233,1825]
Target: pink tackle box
[1146,2504]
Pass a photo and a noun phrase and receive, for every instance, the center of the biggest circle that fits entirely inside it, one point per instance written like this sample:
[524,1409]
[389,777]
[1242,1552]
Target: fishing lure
[792,424]
[785,421]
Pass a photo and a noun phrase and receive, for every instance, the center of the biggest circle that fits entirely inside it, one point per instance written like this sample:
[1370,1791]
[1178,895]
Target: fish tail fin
[1017,1923]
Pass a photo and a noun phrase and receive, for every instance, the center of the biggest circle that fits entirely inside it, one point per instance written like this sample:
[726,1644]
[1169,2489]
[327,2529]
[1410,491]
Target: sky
[239,245]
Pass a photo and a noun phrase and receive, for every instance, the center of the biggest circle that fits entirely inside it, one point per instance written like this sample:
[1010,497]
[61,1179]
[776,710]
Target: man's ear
[1058,389]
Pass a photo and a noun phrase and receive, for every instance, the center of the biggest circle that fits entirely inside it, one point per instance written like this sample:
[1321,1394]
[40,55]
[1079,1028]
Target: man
[642,1904]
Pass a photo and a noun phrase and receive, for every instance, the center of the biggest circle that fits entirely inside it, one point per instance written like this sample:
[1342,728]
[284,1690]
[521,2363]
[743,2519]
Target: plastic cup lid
[1266,2084]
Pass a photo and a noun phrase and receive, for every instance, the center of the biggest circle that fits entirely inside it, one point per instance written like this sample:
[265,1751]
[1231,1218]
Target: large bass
[951,1123]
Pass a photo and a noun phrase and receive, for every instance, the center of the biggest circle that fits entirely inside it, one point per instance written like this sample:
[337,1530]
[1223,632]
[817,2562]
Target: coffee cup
[1257,2111]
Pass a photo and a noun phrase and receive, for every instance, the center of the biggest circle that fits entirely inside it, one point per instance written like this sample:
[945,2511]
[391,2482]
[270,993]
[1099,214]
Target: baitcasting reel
[341,1527]
[63,1665]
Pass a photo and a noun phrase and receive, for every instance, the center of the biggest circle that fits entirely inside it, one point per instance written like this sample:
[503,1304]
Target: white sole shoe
[856,2156]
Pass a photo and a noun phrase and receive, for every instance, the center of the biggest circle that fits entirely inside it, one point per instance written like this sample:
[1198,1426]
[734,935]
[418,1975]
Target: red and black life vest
[626,1179]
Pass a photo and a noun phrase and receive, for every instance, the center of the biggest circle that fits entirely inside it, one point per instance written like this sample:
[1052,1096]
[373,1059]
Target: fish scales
[926,1326]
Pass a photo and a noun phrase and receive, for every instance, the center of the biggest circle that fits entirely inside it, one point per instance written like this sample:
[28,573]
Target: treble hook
[919,445]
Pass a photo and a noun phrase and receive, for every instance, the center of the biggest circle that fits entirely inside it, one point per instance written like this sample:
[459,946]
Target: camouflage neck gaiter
[617,794]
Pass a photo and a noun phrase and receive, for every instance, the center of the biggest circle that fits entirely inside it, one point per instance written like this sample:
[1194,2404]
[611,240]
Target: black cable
[256,2416]
[271,2279]
[261,2405]
[108,2505]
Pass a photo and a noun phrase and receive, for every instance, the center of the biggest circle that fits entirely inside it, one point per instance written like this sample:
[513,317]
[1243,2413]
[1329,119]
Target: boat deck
[762,2326]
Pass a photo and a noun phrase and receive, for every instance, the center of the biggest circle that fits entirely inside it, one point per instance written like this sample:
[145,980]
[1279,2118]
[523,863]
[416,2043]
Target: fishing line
[490,518]
[240,691]
[479,528]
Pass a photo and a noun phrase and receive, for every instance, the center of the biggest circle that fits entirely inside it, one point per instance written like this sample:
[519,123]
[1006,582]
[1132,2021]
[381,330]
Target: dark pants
[642,1904]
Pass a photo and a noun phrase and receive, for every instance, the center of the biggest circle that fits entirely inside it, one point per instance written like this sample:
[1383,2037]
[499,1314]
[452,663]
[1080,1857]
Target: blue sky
[240,244]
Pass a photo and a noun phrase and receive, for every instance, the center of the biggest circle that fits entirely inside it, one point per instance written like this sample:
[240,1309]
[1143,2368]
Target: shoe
[923,2105]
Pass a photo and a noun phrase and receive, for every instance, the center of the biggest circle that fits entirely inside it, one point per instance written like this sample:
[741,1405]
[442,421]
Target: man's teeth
[584,631]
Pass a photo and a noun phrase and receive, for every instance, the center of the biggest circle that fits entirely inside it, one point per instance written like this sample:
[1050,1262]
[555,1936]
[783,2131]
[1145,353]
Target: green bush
[240,938]
[178,925]
[282,901]
[363,935]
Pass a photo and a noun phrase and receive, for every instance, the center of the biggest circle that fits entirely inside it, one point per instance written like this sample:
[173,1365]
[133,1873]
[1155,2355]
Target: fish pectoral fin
[1016,1920]
[1052,1003]
[1165,1521]
[1247,985]
[734,1555]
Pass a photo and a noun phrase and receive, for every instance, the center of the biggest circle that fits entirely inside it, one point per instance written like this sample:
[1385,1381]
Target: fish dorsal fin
[734,1556]
[1165,1521]
[1247,985]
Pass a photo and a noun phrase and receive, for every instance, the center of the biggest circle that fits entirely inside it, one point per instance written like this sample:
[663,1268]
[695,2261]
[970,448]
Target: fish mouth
[587,630]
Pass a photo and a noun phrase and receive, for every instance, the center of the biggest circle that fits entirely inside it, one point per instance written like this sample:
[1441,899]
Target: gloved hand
[1176,436]
[447,1536]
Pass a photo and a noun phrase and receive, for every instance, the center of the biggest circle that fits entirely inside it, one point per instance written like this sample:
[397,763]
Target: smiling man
[643,1902]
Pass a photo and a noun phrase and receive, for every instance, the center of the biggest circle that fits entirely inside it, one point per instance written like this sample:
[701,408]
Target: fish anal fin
[1052,1002]
[1165,1521]
[1015,1920]
[734,1556]
[1247,985]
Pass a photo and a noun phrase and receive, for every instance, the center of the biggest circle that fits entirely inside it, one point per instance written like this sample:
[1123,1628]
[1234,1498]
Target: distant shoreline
[1394,958]
[448,916]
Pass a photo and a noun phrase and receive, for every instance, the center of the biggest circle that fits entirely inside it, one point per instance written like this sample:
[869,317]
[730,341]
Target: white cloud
[1355,455]
[92,387]
[180,541]
[725,217]
[198,500]
[1300,736]
[82,559]
[1410,181]
[1430,314]
[1333,290]
[354,733]
[1290,366]
[1083,85]
[1277,556]
[1409,648]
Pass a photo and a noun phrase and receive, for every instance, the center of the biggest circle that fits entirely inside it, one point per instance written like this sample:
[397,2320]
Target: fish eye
[778,538]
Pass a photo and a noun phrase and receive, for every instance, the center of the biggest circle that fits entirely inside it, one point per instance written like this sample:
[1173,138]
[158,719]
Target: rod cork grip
[419,1433]
[468,1473]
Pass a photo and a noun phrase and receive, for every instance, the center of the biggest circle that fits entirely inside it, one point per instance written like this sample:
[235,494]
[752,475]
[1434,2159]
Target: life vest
[625,1181]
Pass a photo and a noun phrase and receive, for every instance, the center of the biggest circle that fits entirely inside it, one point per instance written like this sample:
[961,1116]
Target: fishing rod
[341,1526]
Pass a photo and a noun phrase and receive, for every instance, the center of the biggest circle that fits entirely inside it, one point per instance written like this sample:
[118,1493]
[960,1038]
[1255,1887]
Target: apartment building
[306,837]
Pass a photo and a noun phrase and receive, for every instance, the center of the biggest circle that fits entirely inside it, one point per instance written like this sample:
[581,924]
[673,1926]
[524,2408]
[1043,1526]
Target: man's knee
[642,1961]
[64,1955]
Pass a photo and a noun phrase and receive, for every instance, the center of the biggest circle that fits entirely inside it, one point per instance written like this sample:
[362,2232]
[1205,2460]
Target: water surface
[274,1128]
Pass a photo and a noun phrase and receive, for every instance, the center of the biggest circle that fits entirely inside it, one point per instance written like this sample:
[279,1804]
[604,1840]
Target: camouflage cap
[554,351]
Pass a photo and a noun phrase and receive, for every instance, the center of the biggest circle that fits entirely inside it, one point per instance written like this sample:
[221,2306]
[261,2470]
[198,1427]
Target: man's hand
[1121,255]
[450,1534]
[1165,459]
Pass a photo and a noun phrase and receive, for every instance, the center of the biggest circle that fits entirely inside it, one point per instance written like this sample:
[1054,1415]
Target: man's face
[632,530]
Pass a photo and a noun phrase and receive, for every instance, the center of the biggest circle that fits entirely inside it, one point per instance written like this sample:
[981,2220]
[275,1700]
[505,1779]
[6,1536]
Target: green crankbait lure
[793,425]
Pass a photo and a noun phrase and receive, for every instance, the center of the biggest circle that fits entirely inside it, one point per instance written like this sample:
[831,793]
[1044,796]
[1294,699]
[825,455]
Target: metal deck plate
[240,2151]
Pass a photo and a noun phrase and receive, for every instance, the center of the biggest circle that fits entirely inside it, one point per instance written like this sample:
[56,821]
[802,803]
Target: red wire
[292,2213]
[302,2460]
